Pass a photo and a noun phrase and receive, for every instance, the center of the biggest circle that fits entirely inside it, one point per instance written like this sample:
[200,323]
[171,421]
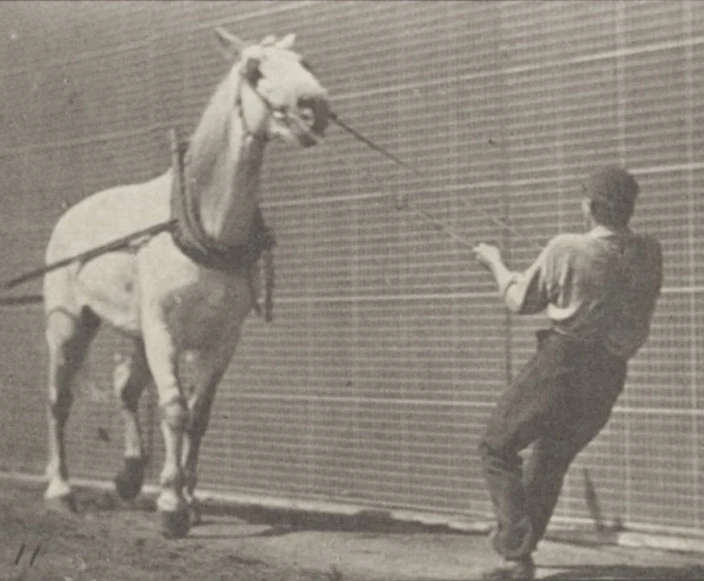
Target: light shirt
[599,287]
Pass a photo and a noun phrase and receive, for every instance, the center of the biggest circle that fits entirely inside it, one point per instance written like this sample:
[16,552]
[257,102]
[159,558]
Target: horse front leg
[210,366]
[162,356]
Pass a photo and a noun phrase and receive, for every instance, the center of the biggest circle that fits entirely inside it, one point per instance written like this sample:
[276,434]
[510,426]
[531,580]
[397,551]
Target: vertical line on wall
[504,178]
[560,116]
[454,147]
[151,393]
[311,413]
[355,379]
[621,131]
[687,17]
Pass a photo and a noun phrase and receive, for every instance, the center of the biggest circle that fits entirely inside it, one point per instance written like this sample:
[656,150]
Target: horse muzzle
[314,117]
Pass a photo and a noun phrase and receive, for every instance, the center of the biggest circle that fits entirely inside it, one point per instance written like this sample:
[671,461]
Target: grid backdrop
[389,345]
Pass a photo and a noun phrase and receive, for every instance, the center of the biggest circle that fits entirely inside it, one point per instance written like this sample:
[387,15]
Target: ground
[114,541]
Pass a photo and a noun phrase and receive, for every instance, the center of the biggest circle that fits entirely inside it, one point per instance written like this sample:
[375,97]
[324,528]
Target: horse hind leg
[130,377]
[68,337]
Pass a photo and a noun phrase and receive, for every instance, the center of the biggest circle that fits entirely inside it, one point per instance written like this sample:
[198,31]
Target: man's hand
[488,255]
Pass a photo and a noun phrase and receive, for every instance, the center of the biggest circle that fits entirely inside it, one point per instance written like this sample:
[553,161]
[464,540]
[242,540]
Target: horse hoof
[65,504]
[175,524]
[128,482]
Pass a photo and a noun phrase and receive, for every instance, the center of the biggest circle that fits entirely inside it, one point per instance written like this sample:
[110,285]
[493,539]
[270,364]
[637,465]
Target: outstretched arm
[489,256]
[524,293]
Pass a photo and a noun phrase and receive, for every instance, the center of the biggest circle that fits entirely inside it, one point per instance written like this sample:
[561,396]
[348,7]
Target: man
[600,290]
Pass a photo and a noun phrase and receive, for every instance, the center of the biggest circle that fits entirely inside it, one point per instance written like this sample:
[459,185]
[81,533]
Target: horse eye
[306,66]
[255,76]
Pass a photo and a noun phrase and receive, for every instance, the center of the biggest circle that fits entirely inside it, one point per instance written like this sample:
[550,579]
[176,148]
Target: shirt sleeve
[531,291]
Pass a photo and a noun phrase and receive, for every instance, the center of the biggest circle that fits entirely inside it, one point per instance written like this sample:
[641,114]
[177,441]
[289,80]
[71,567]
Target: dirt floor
[112,541]
[109,541]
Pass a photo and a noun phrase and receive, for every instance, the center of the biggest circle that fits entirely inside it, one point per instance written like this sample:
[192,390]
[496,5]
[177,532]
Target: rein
[422,214]
[132,240]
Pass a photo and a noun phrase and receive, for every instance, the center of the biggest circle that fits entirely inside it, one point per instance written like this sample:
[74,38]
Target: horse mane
[212,129]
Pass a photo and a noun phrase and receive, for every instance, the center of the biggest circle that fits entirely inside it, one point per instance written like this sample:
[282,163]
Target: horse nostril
[306,103]
[306,109]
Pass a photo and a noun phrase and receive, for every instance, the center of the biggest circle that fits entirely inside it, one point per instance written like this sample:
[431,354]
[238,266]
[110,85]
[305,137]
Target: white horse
[171,303]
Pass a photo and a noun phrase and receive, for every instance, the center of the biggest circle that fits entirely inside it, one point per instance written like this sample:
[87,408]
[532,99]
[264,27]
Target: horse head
[279,96]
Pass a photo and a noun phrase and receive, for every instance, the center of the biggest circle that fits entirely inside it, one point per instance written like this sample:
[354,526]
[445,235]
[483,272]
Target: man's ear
[229,45]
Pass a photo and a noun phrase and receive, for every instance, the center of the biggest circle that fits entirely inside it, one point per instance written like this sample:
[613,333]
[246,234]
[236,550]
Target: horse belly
[109,287]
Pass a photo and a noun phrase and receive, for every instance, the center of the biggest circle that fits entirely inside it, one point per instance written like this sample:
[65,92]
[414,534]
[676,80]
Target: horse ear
[287,41]
[228,44]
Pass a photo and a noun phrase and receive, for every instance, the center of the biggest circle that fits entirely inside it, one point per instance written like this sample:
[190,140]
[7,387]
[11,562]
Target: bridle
[282,113]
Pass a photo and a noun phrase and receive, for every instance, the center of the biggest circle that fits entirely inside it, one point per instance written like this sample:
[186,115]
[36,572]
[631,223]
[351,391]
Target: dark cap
[612,185]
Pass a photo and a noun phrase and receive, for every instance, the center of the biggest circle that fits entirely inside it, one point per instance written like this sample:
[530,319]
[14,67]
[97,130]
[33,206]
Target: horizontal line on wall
[322,200]
[427,190]
[682,290]
[146,44]
[80,57]
[659,169]
[326,200]
[470,187]
[667,45]
[386,298]
[101,137]
[660,46]
[660,411]
[446,403]
[313,299]
[435,296]
[268,11]
[365,400]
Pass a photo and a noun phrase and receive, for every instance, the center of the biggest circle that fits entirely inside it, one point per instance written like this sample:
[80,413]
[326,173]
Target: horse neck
[224,168]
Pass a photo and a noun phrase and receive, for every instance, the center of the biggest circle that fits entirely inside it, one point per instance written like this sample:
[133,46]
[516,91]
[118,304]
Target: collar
[191,239]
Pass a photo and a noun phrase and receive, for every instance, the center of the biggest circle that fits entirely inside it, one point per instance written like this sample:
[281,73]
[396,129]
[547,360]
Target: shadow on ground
[291,520]
[279,521]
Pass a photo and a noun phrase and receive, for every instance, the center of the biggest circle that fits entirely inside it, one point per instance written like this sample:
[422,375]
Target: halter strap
[286,112]
[243,118]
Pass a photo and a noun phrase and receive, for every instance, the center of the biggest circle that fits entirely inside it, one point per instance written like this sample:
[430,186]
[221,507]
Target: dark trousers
[559,403]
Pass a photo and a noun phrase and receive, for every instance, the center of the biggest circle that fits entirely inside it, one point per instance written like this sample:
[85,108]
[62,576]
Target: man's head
[611,195]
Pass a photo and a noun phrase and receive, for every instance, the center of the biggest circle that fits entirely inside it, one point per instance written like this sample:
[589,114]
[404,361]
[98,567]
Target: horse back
[108,215]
